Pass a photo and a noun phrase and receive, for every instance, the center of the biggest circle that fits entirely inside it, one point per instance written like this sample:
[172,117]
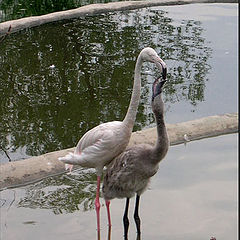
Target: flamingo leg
[109,232]
[136,216]
[97,206]
[108,212]
[125,220]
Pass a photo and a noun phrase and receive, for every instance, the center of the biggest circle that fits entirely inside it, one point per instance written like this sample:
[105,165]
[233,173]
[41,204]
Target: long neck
[132,109]
[161,147]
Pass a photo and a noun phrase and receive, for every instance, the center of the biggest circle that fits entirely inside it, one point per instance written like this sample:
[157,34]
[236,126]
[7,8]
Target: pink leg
[97,205]
[108,212]
[109,232]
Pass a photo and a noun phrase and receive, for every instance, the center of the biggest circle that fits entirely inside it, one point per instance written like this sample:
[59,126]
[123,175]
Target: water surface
[193,196]
[59,80]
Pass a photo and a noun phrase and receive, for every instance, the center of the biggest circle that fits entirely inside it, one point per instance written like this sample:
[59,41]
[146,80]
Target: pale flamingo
[101,144]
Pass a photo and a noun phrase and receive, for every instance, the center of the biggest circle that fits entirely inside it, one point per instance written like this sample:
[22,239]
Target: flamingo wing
[98,146]
[101,133]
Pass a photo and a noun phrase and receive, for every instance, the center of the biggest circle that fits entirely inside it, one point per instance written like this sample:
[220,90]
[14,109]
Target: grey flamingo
[130,172]
[101,144]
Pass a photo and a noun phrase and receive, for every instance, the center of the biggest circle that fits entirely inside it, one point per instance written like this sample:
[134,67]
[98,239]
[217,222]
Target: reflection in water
[66,193]
[59,80]
[109,232]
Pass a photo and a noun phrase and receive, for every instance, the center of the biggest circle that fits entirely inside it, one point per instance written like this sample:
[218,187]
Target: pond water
[59,80]
[193,196]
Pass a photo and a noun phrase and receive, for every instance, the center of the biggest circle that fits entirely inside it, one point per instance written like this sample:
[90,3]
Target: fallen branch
[33,169]
[7,33]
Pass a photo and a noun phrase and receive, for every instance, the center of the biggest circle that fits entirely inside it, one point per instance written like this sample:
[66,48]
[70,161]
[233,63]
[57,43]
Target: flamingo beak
[157,87]
[162,66]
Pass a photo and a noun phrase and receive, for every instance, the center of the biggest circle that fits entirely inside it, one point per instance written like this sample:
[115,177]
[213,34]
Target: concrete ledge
[33,169]
[93,9]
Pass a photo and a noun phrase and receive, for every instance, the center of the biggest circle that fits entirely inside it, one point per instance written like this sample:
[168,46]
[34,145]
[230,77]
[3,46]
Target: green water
[59,80]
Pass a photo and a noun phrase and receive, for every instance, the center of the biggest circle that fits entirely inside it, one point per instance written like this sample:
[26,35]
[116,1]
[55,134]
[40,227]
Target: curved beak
[157,87]
[162,66]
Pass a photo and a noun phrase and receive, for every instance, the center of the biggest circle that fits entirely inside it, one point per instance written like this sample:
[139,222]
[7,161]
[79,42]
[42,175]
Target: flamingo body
[93,149]
[130,172]
[100,145]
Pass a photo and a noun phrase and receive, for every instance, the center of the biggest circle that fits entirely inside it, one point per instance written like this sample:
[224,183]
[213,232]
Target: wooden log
[13,174]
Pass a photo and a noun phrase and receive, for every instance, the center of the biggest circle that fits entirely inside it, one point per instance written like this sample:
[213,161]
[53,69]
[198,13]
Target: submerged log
[14,174]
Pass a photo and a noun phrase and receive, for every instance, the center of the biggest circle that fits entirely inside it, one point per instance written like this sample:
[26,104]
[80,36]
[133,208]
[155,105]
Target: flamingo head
[149,55]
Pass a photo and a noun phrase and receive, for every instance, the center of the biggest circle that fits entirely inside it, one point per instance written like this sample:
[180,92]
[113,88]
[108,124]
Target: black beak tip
[164,73]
